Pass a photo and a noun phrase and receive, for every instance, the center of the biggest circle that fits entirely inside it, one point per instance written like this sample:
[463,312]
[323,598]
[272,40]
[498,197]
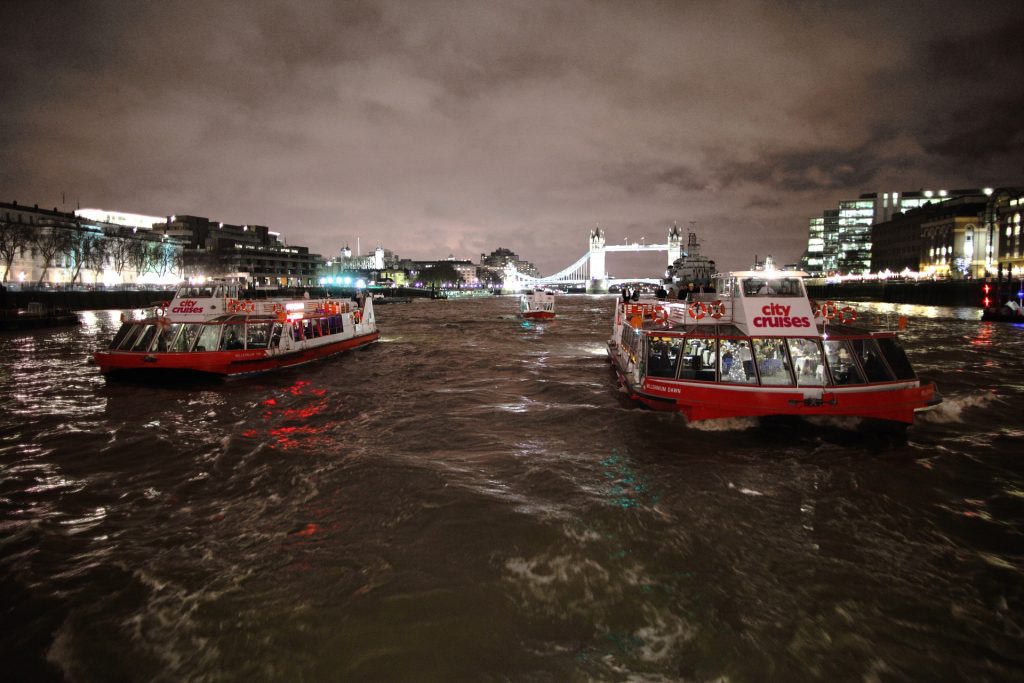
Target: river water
[473,499]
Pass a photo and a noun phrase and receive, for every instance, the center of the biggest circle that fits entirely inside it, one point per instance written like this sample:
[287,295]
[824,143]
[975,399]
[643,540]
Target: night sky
[437,128]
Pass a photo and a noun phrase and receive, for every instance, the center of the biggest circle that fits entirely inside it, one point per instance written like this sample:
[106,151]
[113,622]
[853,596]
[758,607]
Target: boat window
[131,333]
[183,342]
[165,336]
[630,340]
[727,288]
[893,352]
[737,362]
[662,355]
[297,330]
[699,359]
[233,337]
[275,336]
[772,362]
[143,341]
[841,363]
[257,335]
[806,355]
[122,332]
[774,287]
[208,338]
[871,360]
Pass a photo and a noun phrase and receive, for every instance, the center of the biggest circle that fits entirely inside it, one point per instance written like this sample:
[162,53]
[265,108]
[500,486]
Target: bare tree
[120,249]
[48,242]
[143,255]
[79,244]
[14,239]
[96,258]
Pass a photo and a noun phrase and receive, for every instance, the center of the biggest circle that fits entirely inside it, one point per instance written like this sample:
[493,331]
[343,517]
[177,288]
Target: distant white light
[988,191]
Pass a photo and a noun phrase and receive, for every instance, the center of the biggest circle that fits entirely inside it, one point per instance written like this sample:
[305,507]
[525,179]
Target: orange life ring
[847,315]
[659,315]
[717,309]
[698,310]
[829,310]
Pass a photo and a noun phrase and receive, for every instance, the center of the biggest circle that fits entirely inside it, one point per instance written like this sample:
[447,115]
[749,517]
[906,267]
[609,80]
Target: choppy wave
[474,499]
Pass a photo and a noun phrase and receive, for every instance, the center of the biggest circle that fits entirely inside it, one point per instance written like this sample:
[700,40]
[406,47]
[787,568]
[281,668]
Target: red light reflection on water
[295,427]
[984,336]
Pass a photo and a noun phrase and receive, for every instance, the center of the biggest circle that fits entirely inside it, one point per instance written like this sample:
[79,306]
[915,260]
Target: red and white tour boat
[757,346]
[538,304]
[210,329]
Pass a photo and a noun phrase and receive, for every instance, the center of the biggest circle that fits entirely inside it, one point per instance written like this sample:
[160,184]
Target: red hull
[705,401]
[220,363]
[539,315]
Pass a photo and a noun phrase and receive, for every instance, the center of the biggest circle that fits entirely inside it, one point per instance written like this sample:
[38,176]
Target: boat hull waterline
[222,363]
[699,401]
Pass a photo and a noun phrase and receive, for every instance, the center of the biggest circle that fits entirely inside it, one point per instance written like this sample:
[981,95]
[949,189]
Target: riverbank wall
[927,293]
[84,300]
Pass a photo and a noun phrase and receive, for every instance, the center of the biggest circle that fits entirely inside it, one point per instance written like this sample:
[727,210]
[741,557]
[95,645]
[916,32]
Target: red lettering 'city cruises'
[757,346]
[218,329]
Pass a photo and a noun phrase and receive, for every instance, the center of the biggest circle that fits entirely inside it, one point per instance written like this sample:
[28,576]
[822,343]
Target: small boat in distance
[36,317]
[757,346]
[208,330]
[538,304]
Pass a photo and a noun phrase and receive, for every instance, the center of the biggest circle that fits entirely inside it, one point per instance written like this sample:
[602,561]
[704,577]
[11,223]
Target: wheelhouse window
[772,362]
[663,355]
[806,355]
[841,363]
[774,287]
[737,362]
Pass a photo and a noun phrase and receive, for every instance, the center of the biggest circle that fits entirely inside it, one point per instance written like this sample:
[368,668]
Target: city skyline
[460,127]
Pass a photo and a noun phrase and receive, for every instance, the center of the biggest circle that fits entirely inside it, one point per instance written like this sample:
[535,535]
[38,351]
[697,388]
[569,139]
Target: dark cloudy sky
[457,127]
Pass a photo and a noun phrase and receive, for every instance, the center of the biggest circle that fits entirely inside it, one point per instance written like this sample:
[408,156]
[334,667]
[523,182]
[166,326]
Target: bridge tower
[598,275]
[675,243]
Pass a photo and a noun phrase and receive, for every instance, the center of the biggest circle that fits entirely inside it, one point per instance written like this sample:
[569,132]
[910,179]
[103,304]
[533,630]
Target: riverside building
[88,247]
[847,237]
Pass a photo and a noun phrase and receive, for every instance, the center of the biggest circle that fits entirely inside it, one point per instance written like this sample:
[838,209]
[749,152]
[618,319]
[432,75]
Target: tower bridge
[589,270]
